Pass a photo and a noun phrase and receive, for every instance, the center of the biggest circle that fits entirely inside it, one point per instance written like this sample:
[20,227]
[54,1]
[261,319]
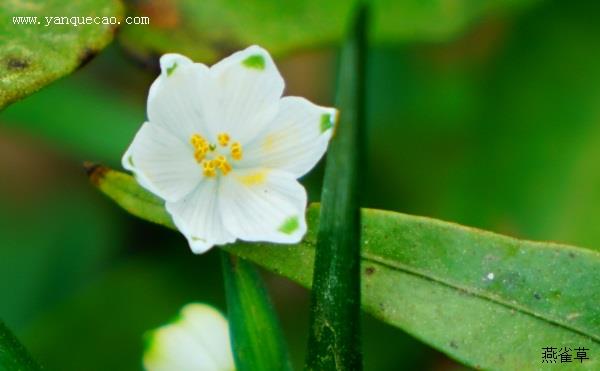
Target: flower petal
[198,217]
[197,340]
[263,205]
[162,163]
[249,87]
[180,99]
[295,139]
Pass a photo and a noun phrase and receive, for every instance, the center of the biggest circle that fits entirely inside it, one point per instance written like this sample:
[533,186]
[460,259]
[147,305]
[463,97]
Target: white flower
[224,149]
[198,340]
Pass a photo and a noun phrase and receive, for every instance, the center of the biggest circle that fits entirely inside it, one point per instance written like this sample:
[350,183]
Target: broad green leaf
[334,341]
[256,338]
[33,55]
[487,300]
[99,108]
[13,356]
[204,30]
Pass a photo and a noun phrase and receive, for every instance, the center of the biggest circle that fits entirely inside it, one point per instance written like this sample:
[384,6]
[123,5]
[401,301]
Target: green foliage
[256,338]
[470,293]
[205,30]
[13,356]
[33,55]
[334,340]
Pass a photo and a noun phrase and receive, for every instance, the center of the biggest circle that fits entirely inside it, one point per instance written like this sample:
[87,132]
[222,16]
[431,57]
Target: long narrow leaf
[257,340]
[490,301]
[334,337]
[13,355]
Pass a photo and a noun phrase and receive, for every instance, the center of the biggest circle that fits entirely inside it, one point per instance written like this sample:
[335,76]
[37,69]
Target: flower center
[208,155]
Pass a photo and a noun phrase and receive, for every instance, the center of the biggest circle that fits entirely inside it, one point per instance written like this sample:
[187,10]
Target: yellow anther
[196,140]
[219,160]
[199,155]
[223,139]
[225,167]
[222,164]
[213,162]
[236,151]
[201,147]
[208,168]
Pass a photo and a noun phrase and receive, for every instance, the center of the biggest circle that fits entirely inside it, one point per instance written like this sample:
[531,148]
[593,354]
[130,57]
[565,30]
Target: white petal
[295,139]
[180,99]
[249,87]
[198,217]
[197,341]
[210,328]
[162,163]
[263,205]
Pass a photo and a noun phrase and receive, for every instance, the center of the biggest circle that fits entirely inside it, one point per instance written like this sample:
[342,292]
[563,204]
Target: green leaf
[256,338]
[334,337]
[34,55]
[204,30]
[128,194]
[13,355]
[487,300]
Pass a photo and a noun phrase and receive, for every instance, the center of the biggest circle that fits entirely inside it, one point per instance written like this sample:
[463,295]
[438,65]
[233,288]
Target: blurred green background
[491,121]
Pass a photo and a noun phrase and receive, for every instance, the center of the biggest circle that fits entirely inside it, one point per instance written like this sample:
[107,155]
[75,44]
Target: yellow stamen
[236,151]
[223,139]
[209,157]
[225,168]
[208,168]
[222,164]
[200,147]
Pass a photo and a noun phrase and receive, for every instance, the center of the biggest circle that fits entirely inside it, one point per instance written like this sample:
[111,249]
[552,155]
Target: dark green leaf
[334,337]
[487,300]
[33,55]
[257,340]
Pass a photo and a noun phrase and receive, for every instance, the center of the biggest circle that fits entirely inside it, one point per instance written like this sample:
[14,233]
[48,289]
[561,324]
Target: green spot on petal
[171,69]
[326,122]
[255,61]
[130,160]
[290,225]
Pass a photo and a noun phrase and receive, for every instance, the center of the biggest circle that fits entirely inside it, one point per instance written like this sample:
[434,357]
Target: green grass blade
[334,337]
[256,337]
[13,355]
